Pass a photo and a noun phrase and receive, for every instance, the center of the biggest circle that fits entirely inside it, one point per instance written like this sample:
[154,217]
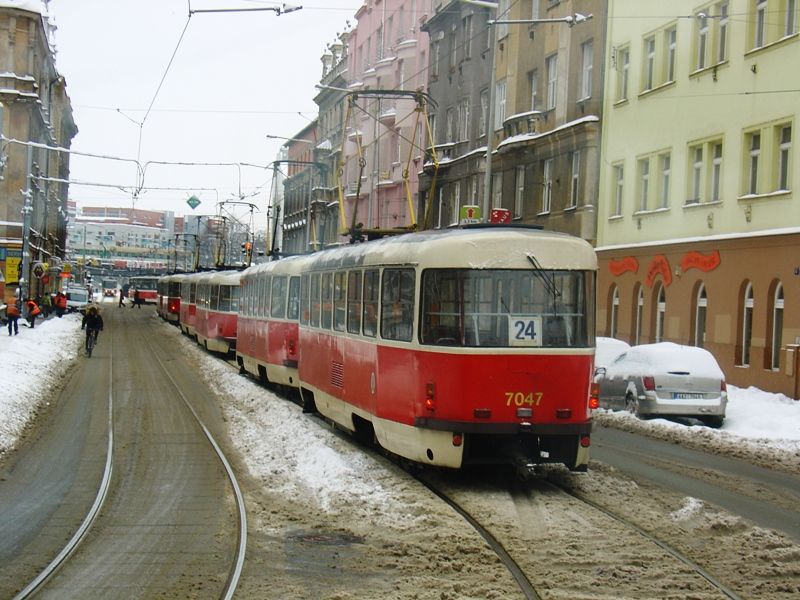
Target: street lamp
[289,139]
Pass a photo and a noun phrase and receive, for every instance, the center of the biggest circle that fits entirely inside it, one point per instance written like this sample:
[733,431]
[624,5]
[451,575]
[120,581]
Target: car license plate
[686,396]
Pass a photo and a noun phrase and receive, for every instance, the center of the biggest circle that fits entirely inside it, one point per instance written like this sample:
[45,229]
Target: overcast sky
[235,78]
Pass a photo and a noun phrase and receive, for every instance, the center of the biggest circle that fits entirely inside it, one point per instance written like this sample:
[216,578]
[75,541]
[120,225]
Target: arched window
[747,324]
[613,312]
[701,303]
[661,310]
[777,327]
[638,313]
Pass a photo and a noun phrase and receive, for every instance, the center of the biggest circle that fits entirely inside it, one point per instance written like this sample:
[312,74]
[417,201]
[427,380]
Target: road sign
[193,201]
[470,213]
[38,270]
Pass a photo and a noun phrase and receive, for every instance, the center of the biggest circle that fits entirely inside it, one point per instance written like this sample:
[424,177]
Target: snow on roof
[34,6]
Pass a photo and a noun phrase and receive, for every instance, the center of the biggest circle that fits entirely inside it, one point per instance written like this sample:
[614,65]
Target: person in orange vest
[33,312]
[61,304]
[12,313]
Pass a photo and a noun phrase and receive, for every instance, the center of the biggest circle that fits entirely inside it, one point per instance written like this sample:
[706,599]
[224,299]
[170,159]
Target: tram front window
[506,308]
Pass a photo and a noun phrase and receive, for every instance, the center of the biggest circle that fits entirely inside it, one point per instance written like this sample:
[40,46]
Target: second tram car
[169,297]
[451,347]
[188,307]
[147,286]
[217,301]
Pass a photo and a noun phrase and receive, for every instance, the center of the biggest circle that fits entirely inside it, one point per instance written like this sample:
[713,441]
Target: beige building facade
[699,226]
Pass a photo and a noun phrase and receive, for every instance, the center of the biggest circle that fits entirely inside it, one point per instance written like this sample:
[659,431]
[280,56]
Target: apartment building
[699,226]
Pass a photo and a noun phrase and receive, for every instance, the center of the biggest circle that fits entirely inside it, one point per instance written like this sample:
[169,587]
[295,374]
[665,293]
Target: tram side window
[442,308]
[339,300]
[315,303]
[293,311]
[371,295]
[225,298]
[305,299]
[278,302]
[327,300]
[397,302]
[215,297]
[354,302]
[234,292]
[192,293]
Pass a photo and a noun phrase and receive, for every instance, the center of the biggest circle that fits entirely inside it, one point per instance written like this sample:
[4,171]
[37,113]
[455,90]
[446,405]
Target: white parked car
[666,380]
[607,350]
[77,299]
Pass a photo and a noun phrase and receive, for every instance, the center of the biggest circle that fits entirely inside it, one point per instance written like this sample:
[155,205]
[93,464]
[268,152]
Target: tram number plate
[524,398]
[524,331]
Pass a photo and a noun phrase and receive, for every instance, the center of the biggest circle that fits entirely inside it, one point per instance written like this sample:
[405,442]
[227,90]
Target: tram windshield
[507,308]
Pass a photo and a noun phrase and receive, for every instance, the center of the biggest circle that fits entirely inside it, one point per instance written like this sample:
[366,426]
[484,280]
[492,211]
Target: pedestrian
[47,305]
[12,313]
[123,293]
[33,312]
[61,304]
[137,299]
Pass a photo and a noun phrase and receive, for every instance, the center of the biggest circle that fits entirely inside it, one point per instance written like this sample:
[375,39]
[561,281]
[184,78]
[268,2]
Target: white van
[77,299]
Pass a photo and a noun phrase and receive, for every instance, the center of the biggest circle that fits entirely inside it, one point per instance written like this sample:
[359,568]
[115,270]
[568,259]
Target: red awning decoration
[704,262]
[659,266]
[618,266]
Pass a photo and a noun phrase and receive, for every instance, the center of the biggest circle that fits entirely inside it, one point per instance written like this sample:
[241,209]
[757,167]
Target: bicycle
[91,340]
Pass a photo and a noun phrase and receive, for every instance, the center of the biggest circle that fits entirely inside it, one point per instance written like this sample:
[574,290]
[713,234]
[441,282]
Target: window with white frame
[746,317]
[452,45]
[665,163]
[574,188]
[463,119]
[696,192]
[777,327]
[661,312]
[703,34]
[700,311]
[450,125]
[533,83]
[638,316]
[547,185]
[484,99]
[466,27]
[784,139]
[502,15]
[612,326]
[716,172]
[497,190]
[722,32]
[456,202]
[551,65]
[587,62]
[619,189]
[519,192]
[754,155]
[790,18]
[644,182]
[649,63]
[499,104]
[623,67]
[671,41]
[760,24]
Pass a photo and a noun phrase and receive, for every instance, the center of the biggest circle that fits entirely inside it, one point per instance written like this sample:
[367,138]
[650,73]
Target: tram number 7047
[523,398]
[524,331]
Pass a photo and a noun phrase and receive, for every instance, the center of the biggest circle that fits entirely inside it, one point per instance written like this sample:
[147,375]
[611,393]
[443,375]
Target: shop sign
[659,266]
[704,262]
[618,266]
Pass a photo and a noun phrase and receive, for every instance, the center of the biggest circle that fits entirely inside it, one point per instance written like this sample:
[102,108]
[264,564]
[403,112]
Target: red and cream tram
[267,335]
[169,297]
[188,306]
[457,346]
[217,306]
[147,286]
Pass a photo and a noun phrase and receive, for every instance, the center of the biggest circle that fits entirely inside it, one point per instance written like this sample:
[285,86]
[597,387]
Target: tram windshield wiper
[547,279]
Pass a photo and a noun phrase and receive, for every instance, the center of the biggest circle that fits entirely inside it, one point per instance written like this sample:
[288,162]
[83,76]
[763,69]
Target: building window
[502,15]
[497,190]
[623,66]
[722,32]
[463,119]
[435,55]
[534,9]
[661,311]
[716,172]
[784,155]
[644,182]
[456,204]
[665,162]
[533,82]
[754,151]
[649,63]
[450,125]
[612,325]
[466,25]
[484,111]
[777,327]
[547,185]
[701,305]
[702,40]
[574,188]
[759,32]
[791,18]
[618,192]
[451,50]
[551,64]
[672,44]
[638,314]
[587,60]
[519,192]
[499,104]
[695,194]
[746,318]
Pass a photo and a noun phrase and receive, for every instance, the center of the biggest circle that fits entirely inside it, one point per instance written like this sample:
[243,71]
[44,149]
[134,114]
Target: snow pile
[34,363]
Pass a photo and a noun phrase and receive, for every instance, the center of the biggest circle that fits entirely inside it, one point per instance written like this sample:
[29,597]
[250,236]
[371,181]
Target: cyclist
[92,323]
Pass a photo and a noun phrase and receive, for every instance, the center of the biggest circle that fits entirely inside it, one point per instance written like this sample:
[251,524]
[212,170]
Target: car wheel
[632,405]
[713,422]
